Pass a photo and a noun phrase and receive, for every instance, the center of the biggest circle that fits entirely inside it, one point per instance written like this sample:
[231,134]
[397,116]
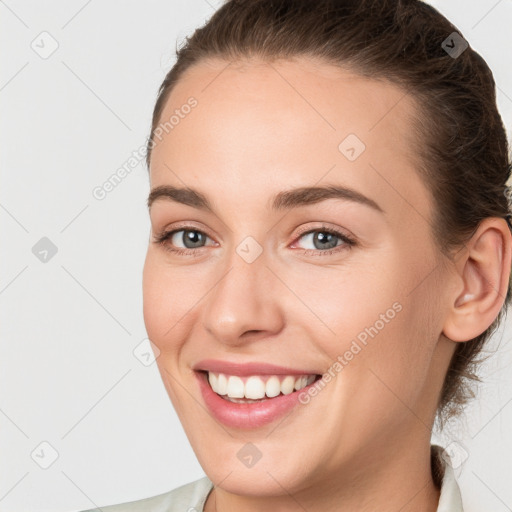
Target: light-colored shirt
[191,497]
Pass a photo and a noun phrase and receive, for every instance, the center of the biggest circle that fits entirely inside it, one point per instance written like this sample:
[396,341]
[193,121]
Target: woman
[330,250]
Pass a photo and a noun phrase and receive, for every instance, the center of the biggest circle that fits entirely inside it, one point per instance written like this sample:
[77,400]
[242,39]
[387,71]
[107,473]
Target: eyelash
[348,242]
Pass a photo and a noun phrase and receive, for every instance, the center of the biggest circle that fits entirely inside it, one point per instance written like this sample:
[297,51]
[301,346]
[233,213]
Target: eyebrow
[284,200]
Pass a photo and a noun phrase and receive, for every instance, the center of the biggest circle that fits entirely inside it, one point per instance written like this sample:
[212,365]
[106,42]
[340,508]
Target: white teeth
[222,384]
[235,387]
[212,379]
[300,383]
[287,385]
[273,387]
[255,387]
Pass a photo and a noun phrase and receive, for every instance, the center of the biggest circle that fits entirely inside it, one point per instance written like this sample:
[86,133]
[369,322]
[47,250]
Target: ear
[483,273]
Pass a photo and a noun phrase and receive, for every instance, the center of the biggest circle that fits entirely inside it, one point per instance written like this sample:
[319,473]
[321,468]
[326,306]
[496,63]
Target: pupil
[324,237]
[194,237]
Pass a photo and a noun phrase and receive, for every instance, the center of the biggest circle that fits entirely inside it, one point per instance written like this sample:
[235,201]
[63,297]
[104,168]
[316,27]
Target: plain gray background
[70,325]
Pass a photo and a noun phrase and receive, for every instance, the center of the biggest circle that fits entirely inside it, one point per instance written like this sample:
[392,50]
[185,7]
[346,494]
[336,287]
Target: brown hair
[461,142]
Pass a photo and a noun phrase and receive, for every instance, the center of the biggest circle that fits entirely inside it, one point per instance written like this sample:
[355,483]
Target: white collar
[450,499]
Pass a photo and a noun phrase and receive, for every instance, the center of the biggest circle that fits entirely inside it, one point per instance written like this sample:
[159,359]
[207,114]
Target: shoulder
[189,496]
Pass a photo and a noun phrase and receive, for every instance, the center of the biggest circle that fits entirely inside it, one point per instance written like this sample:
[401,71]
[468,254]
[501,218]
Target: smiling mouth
[256,388]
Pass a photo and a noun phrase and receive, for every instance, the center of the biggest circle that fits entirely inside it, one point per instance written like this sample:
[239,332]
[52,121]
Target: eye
[326,240]
[191,238]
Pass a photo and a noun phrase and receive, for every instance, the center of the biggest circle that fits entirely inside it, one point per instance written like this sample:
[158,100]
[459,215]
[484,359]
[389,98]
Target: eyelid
[186,226]
[340,232]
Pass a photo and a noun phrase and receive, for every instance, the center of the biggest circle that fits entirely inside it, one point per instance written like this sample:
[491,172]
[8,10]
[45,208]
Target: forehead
[273,125]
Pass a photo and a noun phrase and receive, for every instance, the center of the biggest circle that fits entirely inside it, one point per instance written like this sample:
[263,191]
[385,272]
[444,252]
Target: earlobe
[485,271]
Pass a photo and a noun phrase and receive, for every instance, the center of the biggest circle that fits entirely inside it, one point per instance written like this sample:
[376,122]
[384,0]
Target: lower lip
[247,415]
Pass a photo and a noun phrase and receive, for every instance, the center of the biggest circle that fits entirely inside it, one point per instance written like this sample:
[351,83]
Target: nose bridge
[242,299]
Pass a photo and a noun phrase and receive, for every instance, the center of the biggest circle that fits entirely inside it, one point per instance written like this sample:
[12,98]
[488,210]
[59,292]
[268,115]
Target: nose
[244,303]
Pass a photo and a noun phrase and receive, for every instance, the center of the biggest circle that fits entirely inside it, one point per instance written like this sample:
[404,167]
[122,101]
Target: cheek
[162,309]
[374,317]
[394,363]
[160,302]
[152,299]
[350,302]
[172,299]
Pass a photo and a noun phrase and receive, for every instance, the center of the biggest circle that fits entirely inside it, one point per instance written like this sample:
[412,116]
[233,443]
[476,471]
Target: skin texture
[363,443]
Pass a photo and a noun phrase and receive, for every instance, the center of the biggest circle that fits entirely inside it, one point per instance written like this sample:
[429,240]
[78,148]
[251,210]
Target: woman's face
[309,248]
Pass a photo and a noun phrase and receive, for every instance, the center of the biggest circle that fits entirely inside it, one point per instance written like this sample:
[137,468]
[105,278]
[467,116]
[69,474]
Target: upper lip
[250,368]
